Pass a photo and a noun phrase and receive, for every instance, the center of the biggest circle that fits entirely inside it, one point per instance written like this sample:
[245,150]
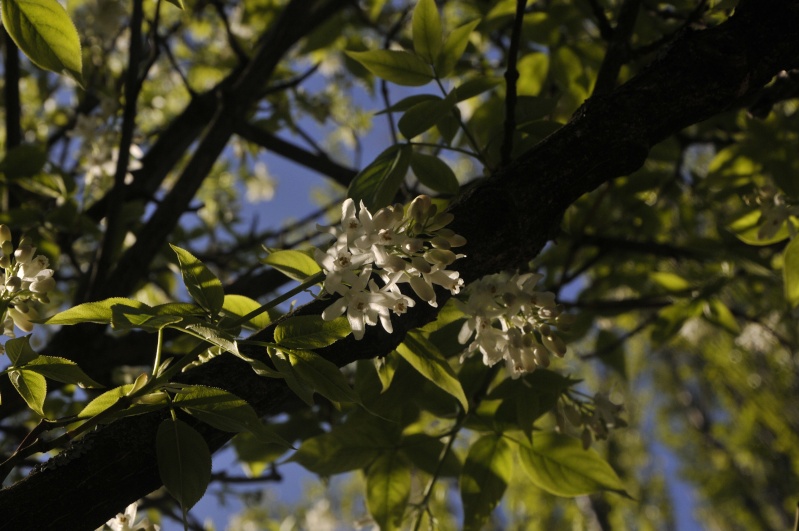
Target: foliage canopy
[635,160]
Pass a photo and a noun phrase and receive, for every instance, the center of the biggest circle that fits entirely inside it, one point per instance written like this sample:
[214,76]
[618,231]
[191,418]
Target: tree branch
[507,219]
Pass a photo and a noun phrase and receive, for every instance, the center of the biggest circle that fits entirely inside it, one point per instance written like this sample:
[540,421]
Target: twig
[511,77]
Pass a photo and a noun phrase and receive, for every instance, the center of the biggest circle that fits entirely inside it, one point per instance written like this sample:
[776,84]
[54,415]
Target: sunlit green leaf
[44,32]
[400,67]
[558,464]
[296,265]
[746,229]
[224,411]
[202,284]
[184,461]
[321,375]
[62,370]
[310,331]
[425,358]
[484,478]
[31,386]
[426,26]
[239,306]
[388,487]
[91,312]
[790,272]
[476,86]
[337,452]
[19,351]
[177,3]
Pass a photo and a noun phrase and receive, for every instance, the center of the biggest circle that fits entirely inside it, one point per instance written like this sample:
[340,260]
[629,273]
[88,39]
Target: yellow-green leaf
[388,487]
[31,386]
[400,67]
[91,312]
[425,358]
[296,265]
[790,272]
[485,477]
[202,284]
[44,32]
[426,26]
[558,464]
[454,46]
[239,306]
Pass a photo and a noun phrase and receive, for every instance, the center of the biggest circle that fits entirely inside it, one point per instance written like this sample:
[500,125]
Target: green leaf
[558,464]
[184,461]
[91,312]
[434,173]
[485,477]
[378,183]
[31,386]
[23,161]
[125,317]
[177,3]
[44,32]
[475,87]
[224,411]
[426,27]
[717,313]
[425,358]
[310,331]
[454,46]
[406,103]
[202,284]
[790,272]
[424,116]
[388,487]
[323,376]
[281,363]
[239,306]
[400,67]
[62,370]
[213,335]
[348,447]
[19,351]
[425,451]
[746,229]
[296,265]
[670,281]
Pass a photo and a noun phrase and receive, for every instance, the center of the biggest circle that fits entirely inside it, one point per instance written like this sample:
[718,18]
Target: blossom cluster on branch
[395,246]
[27,279]
[508,319]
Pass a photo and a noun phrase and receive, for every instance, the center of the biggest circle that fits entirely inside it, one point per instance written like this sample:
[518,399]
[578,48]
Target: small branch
[316,162]
[618,48]
[602,22]
[112,240]
[511,77]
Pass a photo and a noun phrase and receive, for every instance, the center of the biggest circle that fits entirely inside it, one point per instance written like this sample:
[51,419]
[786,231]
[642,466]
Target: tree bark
[507,218]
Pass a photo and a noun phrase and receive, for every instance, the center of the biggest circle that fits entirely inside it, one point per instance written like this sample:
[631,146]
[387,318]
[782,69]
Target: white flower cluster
[508,319]
[27,278]
[396,246]
[127,521]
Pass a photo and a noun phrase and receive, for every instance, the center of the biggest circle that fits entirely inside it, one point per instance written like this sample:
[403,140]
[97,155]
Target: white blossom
[397,248]
[127,521]
[507,319]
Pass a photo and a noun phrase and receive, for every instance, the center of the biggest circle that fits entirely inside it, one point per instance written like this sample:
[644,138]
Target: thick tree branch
[507,219]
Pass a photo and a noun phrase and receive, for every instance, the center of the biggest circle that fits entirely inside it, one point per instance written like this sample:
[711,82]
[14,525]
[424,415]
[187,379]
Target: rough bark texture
[507,219]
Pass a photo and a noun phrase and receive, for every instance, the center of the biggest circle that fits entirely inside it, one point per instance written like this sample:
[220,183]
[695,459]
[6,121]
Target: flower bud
[440,242]
[421,265]
[13,284]
[555,345]
[420,208]
[8,248]
[5,234]
[440,221]
[22,319]
[440,256]
[24,253]
[412,245]
[424,290]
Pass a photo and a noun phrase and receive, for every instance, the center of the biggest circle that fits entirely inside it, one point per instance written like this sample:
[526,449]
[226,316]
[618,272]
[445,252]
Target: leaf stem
[311,281]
